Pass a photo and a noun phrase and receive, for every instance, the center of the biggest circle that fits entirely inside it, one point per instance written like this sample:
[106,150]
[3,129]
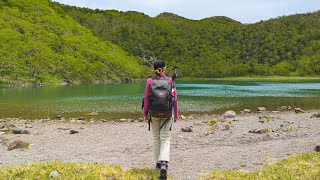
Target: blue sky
[245,11]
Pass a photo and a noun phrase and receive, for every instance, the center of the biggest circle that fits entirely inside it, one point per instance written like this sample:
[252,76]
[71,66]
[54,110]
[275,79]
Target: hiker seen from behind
[160,110]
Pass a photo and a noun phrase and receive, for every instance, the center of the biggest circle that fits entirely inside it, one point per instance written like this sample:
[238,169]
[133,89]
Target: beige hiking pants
[161,139]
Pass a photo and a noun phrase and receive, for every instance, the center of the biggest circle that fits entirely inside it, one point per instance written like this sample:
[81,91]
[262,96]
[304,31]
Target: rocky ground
[248,141]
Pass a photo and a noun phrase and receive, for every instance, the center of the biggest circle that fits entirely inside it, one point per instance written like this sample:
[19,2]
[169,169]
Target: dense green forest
[213,47]
[40,43]
[44,41]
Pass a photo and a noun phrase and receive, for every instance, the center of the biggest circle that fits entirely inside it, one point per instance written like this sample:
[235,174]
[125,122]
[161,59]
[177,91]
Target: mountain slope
[212,47]
[40,43]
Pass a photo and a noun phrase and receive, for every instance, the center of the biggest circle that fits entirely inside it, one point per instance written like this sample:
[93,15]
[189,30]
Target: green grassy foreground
[302,167]
[76,171]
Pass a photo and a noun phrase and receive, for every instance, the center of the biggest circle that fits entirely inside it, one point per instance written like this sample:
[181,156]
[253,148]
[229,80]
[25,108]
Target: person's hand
[146,119]
[176,119]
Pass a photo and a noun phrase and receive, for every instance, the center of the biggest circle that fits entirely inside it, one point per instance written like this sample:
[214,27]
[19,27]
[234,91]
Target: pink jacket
[147,93]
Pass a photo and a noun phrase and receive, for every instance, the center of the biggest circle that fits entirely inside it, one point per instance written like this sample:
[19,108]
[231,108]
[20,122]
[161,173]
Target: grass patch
[293,128]
[302,167]
[212,122]
[76,171]
[229,122]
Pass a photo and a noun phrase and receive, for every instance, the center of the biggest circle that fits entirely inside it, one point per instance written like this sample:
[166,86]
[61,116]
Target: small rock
[61,128]
[17,144]
[229,114]
[183,117]
[260,131]
[19,131]
[93,113]
[60,117]
[299,110]
[140,119]
[316,115]
[73,131]
[28,126]
[186,129]
[25,132]
[262,109]
[122,120]
[81,118]
[54,174]
[247,111]
[317,148]
[285,108]
[264,119]
[222,127]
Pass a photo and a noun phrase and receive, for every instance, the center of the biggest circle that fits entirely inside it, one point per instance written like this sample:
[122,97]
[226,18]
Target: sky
[245,11]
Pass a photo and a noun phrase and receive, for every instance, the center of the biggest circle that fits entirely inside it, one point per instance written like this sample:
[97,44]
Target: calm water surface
[124,100]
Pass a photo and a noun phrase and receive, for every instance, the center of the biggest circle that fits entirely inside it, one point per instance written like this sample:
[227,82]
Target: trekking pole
[174,76]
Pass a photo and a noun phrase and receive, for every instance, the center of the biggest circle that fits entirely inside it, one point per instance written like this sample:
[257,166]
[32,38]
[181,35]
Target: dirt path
[193,154]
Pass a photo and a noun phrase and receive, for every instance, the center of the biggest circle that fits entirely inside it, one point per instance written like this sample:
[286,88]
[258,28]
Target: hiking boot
[158,165]
[163,170]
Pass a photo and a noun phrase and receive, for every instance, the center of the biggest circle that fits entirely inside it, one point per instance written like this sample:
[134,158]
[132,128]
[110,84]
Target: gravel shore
[248,141]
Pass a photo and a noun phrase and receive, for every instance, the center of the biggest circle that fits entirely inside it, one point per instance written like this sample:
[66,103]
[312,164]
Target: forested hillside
[213,47]
[44,41]
[41,43]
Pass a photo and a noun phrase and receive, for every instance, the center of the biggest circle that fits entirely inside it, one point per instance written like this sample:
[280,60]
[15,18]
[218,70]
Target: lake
[112,101]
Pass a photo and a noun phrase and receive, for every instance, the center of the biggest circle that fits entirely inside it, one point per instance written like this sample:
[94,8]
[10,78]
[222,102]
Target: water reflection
[124,100]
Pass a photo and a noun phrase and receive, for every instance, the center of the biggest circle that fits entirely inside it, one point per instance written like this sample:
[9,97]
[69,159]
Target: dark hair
[158,64]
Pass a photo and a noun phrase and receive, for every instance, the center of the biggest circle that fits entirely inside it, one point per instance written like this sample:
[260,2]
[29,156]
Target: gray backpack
[160,99]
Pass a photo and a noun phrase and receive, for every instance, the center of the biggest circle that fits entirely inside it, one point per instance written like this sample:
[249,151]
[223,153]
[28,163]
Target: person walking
[160,109]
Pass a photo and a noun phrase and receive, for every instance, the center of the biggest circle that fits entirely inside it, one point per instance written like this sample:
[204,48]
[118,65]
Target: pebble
[262,109]
[54,174]
[299,110]
[93,113]
[186,129]
[73,131]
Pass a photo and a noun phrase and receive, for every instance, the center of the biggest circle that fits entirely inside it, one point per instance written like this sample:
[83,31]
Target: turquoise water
[124,100]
